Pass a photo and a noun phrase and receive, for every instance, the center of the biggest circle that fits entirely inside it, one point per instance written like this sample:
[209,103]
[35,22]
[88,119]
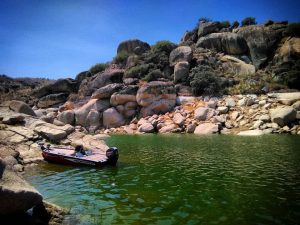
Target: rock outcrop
[21,107]
[261,41]
[16,195]
[156,97]
[181,53]
[133,47]
[229,43]
[66,86]
[283,115]
[99,80]
[52,99]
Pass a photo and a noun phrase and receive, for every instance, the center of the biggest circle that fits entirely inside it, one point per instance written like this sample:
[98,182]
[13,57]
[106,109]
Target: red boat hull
[76,161]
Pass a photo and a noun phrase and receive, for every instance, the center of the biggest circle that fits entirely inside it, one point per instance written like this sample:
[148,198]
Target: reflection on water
[178,179]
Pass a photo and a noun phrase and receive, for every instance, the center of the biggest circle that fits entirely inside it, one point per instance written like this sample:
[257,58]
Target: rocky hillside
[214,59]
[20,88]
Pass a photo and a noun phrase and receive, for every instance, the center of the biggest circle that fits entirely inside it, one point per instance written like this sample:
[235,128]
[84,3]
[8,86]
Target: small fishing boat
[76,156]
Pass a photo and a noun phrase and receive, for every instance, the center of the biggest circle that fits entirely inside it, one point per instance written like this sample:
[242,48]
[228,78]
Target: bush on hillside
[224,24]
[293,30]
[248,21]
[137,71]
[235,24]
[163,46]
[121,57]
[204,81]
[269,22]
[153,75]
[99,67]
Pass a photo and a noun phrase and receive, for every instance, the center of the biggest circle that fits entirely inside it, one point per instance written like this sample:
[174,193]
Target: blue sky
[60,38]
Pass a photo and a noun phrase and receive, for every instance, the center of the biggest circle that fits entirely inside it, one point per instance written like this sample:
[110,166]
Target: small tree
[293,30]
[163,46]
[248,21]
[204,81]
[269,22]
[224,24]
[235,24]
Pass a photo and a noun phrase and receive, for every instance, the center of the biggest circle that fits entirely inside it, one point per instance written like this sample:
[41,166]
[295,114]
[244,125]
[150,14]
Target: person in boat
[79,151]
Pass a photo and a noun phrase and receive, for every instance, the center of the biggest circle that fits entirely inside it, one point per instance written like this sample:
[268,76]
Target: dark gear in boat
[79,148]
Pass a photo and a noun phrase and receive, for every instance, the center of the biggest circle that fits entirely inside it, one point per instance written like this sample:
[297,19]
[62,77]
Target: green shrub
[137,71]
[269,22]
[163,46]
[248,21]
[293,30]
[204,81]
[99,67]
[224,24]
[235,24]
[153,75]
[121,57]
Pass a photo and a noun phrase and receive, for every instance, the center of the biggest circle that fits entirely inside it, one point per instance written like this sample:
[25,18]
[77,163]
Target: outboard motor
[112,155]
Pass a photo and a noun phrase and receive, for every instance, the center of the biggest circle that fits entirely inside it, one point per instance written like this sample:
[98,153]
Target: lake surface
[182,179]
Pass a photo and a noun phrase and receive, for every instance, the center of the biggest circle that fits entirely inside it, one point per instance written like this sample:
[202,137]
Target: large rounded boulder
[112,118]
[181,53]
[16,195]
[156,97]
[133,47]
[21,107]
[261,41]
[99,80]
[227,42]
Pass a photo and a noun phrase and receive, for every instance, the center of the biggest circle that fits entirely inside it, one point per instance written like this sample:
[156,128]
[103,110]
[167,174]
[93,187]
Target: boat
[76,156]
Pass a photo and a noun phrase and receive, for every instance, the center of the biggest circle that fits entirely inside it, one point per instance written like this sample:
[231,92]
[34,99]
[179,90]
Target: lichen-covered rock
[230,43]
[181,53]
[181,71]
[112,118]
[283,115]
[21,107]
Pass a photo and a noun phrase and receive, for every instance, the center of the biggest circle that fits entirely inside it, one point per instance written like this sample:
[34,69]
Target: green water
[182,179]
